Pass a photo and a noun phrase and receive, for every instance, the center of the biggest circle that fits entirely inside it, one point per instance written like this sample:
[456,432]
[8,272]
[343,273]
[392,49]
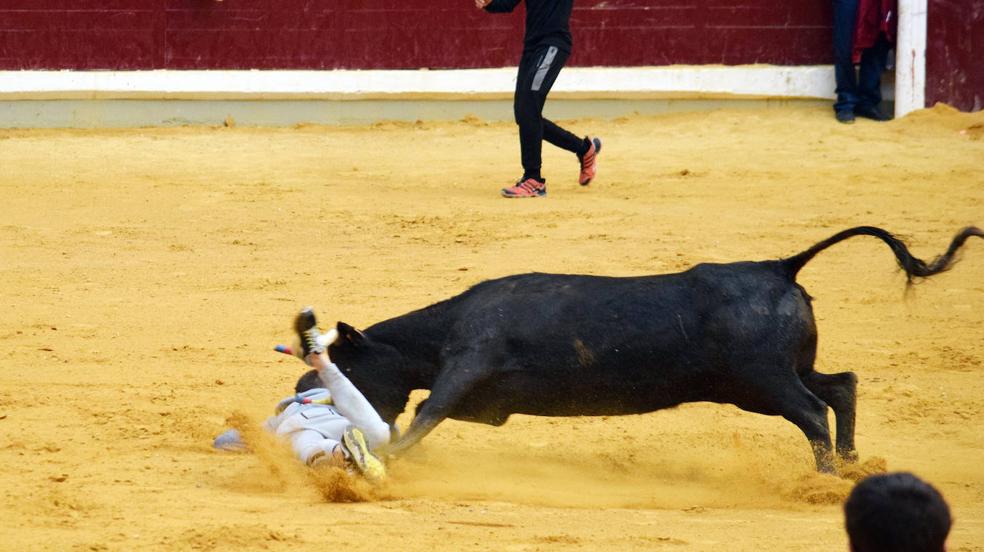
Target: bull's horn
[328,338]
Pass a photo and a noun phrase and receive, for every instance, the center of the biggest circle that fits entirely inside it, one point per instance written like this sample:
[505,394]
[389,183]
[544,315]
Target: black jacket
[547,21]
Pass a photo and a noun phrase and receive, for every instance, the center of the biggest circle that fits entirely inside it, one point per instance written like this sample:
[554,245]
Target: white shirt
[308,411]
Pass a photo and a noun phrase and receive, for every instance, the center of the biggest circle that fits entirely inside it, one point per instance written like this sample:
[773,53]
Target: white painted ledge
[755,81]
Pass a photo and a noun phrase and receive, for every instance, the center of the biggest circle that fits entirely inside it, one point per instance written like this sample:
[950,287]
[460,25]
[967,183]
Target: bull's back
[588,345]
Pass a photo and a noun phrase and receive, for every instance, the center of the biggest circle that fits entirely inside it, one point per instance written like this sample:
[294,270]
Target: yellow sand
[146,274]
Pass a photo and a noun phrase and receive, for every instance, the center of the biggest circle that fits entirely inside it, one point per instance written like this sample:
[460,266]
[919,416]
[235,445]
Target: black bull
[573,345]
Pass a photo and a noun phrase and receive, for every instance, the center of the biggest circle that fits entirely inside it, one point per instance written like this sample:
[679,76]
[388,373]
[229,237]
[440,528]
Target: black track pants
[538,69]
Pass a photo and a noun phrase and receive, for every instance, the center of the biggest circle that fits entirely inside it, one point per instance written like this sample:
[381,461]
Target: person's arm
[497,6]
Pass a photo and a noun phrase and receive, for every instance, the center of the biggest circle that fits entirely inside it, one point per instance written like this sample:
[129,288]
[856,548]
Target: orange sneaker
[589,162]
[529,187]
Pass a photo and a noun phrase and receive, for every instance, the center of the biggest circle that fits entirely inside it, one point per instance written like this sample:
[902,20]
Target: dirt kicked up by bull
[740,333]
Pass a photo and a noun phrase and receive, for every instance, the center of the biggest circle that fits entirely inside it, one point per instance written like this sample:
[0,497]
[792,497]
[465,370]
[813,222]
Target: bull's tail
[913,267]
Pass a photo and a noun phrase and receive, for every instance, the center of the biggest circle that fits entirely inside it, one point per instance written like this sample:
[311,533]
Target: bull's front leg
[452,385]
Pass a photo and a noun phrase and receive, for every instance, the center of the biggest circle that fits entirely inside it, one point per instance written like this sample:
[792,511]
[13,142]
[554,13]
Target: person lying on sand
[327,421]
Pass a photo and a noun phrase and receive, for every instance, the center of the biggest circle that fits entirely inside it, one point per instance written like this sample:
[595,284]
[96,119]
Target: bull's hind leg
[840,392]
[789,398]
[809,413]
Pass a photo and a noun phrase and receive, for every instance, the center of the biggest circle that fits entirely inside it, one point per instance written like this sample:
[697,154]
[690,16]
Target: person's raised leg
[350,402]
[368,430]
[345,396]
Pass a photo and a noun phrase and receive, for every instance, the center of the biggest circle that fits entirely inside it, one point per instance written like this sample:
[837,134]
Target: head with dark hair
[310,380]
[896,512]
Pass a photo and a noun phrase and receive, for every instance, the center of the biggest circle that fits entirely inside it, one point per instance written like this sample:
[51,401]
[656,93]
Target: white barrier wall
[766,81]
[910,57]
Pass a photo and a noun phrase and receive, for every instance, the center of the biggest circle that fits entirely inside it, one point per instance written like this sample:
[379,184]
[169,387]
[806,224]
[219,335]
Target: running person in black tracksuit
[546,46]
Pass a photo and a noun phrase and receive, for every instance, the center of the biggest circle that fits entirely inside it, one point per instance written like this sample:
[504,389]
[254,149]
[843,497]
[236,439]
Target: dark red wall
[397,34]
[954,69]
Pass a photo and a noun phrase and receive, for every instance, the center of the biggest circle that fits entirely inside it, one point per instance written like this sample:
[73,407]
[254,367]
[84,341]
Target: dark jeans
[538,69]
[855,88]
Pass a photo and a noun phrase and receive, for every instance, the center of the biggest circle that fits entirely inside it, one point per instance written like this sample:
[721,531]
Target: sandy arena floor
[146,275]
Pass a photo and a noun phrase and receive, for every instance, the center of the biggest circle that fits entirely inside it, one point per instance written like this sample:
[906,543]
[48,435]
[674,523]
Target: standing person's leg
[873,61]
[538,70]
[586,149]
[528,108]
[564,139]
[534,83]
[845,18]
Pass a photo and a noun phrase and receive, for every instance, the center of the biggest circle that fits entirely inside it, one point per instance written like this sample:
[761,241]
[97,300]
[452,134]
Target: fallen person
[327,421]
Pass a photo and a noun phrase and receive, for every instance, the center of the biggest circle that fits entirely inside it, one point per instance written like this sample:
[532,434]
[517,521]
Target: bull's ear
[349,334]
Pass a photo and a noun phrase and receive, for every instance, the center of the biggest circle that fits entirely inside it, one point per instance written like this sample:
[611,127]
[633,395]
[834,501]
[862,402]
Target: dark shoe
[589,162]
[846,117]
[528,187]
[306,327]
[870,112]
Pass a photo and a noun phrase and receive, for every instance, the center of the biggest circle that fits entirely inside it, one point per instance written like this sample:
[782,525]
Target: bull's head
[377,369]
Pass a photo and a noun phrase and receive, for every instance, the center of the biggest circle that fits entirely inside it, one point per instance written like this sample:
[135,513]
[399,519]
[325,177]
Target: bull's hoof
[856,471]
[848,456]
